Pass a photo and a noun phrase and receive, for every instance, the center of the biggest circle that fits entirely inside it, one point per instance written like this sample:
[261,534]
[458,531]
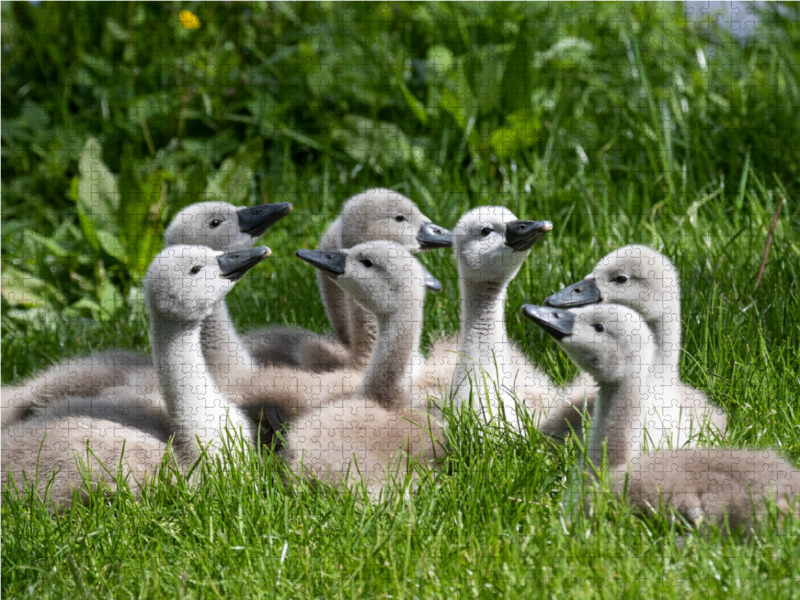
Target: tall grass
[619,123]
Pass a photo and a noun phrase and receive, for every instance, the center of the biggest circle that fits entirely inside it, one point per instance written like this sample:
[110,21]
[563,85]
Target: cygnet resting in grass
[490,246]
[183,286]
[217,225]
[615,345]
[376,214]
[377,425]
[646,281]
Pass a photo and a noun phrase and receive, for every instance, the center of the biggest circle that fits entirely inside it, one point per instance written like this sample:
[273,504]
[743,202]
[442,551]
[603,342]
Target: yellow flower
[189,20]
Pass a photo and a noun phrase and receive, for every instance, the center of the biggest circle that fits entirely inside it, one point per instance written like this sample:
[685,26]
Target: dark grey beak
[557,323]
[255,220]
[578,294]
[432,236]
[431,283]
[329,261]
[238,262]
[522,235]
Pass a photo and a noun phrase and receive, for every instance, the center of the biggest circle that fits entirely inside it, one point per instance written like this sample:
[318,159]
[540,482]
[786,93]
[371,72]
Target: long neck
[667,331]
[364,333]
[389,374]
[620,413]
[483,339]
[483,323]
[221,345]
[194,401]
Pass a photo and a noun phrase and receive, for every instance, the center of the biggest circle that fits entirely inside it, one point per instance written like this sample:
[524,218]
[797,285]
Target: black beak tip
[583,293]
[556,323]
[431,237]
[522,235]
[330,261]
[233,265]
[256,220]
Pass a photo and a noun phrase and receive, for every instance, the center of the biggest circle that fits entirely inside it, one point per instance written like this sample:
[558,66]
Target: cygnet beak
[331,262]
[233,265]
[557,323]
[255,220]
[583,293]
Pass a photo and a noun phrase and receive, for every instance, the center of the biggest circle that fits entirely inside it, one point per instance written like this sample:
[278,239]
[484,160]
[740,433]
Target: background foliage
[620,123]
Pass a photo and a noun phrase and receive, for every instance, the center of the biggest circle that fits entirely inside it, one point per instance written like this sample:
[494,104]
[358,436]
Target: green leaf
[231,183]
[110,299]
[96,194]
[520,131]
[21,289]
[439,60]
[112,245]
[414,104]
[568,53]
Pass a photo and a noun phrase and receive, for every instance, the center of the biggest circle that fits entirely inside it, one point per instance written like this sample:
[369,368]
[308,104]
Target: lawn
[620,124]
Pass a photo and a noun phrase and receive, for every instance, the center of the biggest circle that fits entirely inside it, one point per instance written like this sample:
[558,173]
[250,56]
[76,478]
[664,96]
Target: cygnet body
[377,425]
[702,485]
[490,246]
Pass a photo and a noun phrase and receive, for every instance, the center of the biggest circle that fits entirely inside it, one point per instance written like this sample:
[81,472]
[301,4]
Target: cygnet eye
[215,223]
[621,279]
[196,269]
[486,231]
[367,263]
[399,218]
[598,327]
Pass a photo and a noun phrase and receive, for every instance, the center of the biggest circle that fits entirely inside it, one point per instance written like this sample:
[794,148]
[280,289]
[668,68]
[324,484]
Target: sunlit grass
[691,159]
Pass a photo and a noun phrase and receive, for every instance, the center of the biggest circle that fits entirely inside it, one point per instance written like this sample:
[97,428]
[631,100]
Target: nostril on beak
[577,290]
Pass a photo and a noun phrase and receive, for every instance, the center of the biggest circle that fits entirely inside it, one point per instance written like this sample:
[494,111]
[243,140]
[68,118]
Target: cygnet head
[491,244]
[635,276]
[183,283]
[379,275]
[222,226]
[381,214]
[610,341]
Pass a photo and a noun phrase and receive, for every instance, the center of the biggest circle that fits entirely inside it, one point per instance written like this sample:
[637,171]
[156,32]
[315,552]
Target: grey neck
[222,347]
[618,419]
[193,400]
[389,374]
[364,332]
[483,338]
[667,332]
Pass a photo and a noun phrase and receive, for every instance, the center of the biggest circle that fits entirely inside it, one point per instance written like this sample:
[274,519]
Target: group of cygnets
[358,405]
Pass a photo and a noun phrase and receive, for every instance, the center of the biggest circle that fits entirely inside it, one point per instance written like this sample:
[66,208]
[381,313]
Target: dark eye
[486,231]
[367,263]
[399,218]
[598,327]
[196,269]
[215,223]
[621,279]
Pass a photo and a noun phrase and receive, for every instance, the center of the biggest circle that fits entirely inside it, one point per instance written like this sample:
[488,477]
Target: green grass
[491,522]
[701,186]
